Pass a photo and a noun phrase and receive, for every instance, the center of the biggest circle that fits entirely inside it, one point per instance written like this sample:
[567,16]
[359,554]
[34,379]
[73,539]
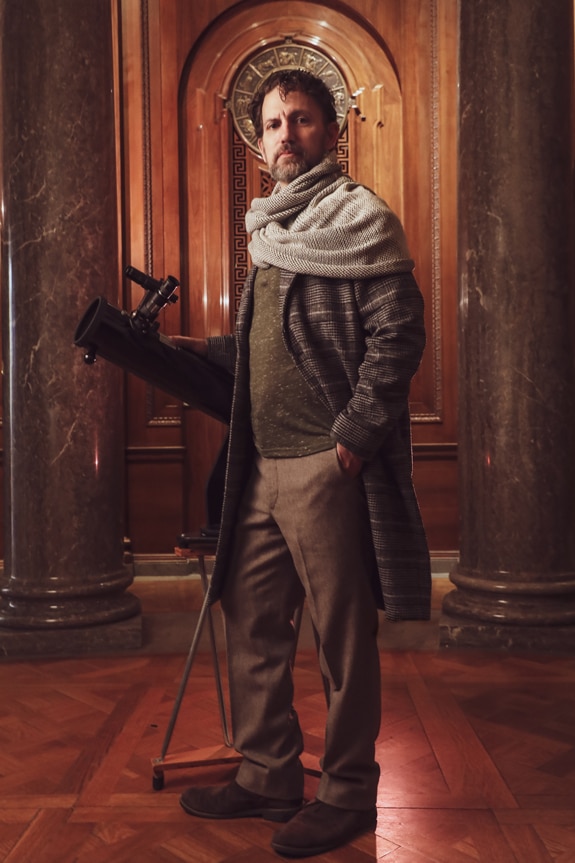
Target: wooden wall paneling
[206,248]
[435,477]
[205,262]
[423,46]
[155,457]
[135,186]
[430,169]
[401,57]
[417,80]
[156,501]
[447,39]
[435,440]
[444,478]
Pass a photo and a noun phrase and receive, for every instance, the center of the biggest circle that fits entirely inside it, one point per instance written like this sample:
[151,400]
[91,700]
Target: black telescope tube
[107,332]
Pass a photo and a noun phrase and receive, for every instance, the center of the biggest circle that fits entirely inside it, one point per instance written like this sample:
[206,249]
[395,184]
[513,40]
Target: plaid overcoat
[358,345]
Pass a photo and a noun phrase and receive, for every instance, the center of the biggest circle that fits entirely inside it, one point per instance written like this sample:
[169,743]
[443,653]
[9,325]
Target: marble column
[515,583]
[64,582]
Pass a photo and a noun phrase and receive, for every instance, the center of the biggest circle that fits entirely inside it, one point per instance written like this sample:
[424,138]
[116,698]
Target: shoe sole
[275,815]
[311,851]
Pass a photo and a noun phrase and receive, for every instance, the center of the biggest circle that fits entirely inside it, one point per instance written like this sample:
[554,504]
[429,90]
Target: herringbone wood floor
[477,753]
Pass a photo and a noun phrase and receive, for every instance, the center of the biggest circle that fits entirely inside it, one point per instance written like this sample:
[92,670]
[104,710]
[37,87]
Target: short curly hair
[288,81]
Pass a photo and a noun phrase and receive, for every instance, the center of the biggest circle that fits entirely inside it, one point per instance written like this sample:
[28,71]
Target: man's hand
[196,346]
[350,462]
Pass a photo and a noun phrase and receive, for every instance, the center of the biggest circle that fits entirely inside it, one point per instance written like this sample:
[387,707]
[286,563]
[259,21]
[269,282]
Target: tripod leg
[188,667]
[215,660]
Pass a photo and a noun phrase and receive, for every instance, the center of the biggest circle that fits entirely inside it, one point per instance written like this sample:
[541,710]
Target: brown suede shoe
[320,827]
[233,801]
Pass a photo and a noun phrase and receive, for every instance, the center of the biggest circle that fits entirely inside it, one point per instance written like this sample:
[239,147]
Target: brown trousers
[303,530]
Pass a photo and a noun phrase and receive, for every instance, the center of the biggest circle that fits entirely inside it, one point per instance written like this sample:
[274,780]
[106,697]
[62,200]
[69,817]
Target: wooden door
[189,177]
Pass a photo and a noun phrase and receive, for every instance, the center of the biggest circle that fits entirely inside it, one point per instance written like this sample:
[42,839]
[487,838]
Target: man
[319,501]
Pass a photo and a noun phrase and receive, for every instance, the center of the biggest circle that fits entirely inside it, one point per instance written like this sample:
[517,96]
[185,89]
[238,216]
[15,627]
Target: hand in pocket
[350,462]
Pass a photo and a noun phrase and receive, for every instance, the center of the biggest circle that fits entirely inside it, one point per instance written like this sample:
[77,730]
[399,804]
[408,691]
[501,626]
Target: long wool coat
[357,344]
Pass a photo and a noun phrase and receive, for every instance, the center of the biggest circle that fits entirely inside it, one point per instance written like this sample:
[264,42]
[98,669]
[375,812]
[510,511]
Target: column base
[104,639]
[463,632]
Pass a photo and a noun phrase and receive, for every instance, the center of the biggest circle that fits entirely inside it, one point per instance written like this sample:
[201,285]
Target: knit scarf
[325,224]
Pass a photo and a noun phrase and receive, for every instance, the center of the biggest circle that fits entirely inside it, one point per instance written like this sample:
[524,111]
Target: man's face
[295,135]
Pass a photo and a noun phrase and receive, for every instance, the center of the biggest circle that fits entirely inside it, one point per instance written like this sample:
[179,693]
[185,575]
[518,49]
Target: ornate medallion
[286,55]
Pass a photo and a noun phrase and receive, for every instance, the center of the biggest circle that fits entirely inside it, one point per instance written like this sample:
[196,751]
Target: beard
[286,169]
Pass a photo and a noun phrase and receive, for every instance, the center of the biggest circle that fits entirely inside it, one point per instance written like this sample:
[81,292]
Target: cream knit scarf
[338,228]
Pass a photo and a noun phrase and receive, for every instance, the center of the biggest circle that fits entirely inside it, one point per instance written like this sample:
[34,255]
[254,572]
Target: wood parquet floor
[477,754]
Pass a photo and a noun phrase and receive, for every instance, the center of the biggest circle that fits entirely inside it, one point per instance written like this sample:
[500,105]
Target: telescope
[132,341]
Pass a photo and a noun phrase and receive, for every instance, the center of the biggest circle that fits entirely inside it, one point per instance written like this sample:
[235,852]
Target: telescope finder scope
[158,294]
